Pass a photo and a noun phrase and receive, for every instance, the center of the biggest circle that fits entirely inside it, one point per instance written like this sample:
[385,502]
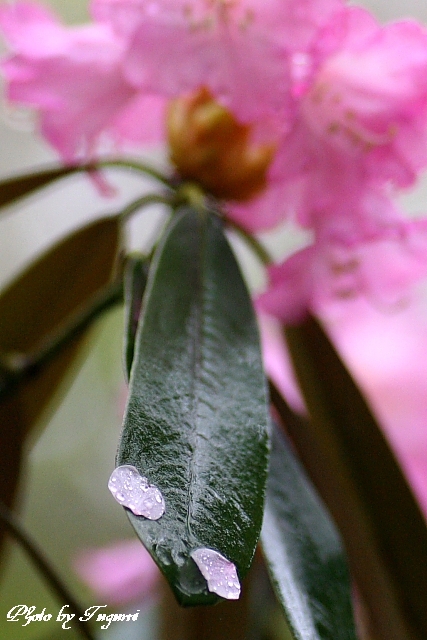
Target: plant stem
[18,533]
[17,367]
[144,201]
[191,194]
[258,249]
[132,165]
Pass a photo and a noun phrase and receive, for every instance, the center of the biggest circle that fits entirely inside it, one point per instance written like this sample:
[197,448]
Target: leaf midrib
[197,369]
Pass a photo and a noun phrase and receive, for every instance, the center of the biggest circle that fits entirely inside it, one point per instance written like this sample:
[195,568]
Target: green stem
[132,165]
[144,201]
[191,194]
[258,249]
[18,533]
[17,367]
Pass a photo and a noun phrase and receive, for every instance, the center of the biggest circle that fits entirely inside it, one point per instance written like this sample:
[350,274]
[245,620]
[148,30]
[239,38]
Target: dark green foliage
[304,553]
[197,418]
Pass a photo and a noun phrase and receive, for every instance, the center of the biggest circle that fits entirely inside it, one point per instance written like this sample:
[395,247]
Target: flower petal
[120,573]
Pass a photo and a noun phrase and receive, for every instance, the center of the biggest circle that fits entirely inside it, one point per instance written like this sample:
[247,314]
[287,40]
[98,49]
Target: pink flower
[72,75]
[360,122]
[239,50]
[369,93]
[120,573]
[343,99]
[115,75]
[385,351]
[381,267]
[361,126]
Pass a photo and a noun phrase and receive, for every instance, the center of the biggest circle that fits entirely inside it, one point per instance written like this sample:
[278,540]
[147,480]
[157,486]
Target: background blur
[65,502]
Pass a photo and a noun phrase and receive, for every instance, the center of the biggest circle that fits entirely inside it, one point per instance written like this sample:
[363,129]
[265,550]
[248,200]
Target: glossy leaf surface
[197,421]
[354,469]
[304,553]
[54,287]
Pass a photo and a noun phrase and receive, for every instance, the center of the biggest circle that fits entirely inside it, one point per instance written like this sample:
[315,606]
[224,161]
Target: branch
[17,532]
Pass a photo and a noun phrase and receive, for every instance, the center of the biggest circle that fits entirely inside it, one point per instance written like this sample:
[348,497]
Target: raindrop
[133,491]
[219,573]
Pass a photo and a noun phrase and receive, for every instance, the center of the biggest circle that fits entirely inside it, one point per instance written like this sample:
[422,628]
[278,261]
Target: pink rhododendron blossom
[72,76]
[93,79]
[380,268]
[241,51]
[385,351]
[120,573]
[370,95]
[343,99]
[360,122]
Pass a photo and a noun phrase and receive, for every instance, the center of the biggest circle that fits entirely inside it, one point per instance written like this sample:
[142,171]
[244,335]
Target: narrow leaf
[357,474]
[304,553]
[12,189]
[57,285]
[196,424]
[135,281]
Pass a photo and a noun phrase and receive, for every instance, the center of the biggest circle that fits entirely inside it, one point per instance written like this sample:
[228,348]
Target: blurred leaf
[358,477]
[135,280]
[197,419]
[58,284]
[304,553]
[12,189]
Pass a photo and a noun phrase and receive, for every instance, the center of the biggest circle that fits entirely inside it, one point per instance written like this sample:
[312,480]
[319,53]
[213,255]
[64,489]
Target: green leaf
[197,421]
[53,288]
[135,281]
[12,189]
[304,553]
[355,471]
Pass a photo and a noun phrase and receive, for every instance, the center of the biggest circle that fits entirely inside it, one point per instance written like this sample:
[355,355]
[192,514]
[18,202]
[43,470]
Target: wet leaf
[355,471]
[197,420]
[51,289]
[304,553]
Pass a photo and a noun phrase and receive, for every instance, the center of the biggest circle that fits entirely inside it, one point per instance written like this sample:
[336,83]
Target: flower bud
[208,146]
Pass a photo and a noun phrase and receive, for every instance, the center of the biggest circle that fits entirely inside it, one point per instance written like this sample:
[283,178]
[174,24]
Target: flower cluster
[359,134]
[341,100]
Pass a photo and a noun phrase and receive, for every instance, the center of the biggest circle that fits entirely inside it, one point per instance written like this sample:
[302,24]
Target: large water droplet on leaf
[133,491]
[219,573]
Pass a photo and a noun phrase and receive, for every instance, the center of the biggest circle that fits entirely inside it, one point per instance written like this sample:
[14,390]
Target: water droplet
[133,491]
[219,573]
